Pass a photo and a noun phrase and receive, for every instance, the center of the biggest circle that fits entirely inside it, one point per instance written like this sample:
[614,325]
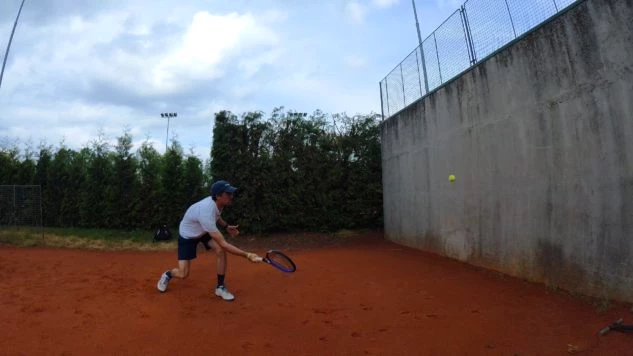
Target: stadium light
[168,115]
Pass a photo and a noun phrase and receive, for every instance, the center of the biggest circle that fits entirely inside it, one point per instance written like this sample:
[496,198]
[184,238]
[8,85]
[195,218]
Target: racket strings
[281,261]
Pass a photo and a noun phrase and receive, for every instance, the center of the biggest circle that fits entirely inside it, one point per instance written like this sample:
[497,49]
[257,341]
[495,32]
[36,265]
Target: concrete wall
[540,138]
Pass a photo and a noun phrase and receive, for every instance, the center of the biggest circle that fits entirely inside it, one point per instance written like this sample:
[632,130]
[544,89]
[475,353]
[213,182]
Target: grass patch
[92,239]
[142,240]
[347,233]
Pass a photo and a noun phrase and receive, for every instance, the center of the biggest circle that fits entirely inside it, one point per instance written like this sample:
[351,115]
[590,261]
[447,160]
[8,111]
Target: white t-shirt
[199,219]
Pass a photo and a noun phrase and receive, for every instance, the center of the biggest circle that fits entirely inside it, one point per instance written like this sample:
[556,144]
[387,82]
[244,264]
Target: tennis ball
[451,178]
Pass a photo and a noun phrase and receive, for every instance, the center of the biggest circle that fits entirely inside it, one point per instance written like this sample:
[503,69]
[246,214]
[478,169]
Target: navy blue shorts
[187,247]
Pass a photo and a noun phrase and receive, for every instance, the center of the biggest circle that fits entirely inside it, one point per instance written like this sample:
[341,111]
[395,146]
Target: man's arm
[219,239]
[222,223]
[232,230]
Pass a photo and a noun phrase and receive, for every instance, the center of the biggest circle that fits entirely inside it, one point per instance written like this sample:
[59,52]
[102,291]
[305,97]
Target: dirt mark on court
[372,298]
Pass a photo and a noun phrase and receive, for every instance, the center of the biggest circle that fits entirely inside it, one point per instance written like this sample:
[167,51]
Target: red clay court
[370,298]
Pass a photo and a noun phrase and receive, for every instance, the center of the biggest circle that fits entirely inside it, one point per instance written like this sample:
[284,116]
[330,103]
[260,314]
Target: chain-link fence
[21,206]
[470,34]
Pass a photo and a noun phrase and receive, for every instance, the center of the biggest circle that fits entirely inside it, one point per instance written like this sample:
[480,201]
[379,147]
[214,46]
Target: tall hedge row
[295,172]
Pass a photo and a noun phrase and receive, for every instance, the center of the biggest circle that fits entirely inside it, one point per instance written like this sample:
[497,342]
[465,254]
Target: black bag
[162,234]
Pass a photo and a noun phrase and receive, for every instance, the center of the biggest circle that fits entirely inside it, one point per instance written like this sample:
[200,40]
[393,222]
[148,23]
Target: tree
[174,196]
[93,202]
[70,209]
[297,172]
[26,168]
[8,165]
[151,190]
[294,172]
[193,180]
[58,180]
[41,178]
[124,189]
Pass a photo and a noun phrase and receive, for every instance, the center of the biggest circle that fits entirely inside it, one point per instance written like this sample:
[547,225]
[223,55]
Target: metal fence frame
[471,54]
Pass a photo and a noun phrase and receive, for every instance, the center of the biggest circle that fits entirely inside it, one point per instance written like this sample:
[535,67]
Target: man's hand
[232,230]
[253,257]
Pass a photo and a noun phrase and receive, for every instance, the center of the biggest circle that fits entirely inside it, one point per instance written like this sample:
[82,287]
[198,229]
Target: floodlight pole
[6,53]
[168,115]
[417,25]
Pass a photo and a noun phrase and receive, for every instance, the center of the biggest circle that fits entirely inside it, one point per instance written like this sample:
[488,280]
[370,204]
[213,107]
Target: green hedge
[295,172]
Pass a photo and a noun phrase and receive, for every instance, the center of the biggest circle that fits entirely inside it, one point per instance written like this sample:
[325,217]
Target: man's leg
[186,252]
[220,265]
[182,271]
[221,261]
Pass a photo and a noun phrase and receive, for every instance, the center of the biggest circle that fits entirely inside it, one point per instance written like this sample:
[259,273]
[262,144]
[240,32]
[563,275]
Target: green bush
[295,172]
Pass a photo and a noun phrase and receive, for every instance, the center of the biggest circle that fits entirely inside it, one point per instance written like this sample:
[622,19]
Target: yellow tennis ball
[451,178]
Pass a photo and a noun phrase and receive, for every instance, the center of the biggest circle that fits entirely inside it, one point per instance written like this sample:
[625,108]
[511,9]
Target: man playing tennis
[200,225]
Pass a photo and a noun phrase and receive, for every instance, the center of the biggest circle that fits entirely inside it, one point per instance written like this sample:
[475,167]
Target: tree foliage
[294,172]
[299,172]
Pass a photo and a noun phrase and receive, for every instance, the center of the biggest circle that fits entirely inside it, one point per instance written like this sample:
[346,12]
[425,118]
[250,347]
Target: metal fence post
[404,96]
[417,62]
[469,36]
[415,13]
[437,54]
[6,53]
[511,20]
[13,217]
[423,60]
[387,94]
[382,108]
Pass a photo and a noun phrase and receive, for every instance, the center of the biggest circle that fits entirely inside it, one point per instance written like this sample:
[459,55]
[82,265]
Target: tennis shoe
[221,291]
[163,282]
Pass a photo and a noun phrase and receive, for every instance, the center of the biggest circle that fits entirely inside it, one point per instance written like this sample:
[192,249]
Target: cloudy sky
[77,67]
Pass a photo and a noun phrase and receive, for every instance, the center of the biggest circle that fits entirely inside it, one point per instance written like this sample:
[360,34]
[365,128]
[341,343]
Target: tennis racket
[279,261]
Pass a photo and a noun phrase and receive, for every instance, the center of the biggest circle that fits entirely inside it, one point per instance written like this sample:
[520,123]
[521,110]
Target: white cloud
[355,11]
[251,65]
[153,65]
[77,67]
[208,40]
[208,44]
[384,3]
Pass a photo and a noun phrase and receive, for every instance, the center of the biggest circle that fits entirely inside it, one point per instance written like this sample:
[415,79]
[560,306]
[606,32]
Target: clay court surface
[367,298]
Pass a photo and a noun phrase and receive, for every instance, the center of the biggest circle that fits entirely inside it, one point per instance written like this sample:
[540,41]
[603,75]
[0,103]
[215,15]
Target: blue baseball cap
[220,187]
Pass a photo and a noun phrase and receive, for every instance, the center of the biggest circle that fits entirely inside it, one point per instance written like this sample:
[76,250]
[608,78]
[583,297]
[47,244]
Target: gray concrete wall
[540,138]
